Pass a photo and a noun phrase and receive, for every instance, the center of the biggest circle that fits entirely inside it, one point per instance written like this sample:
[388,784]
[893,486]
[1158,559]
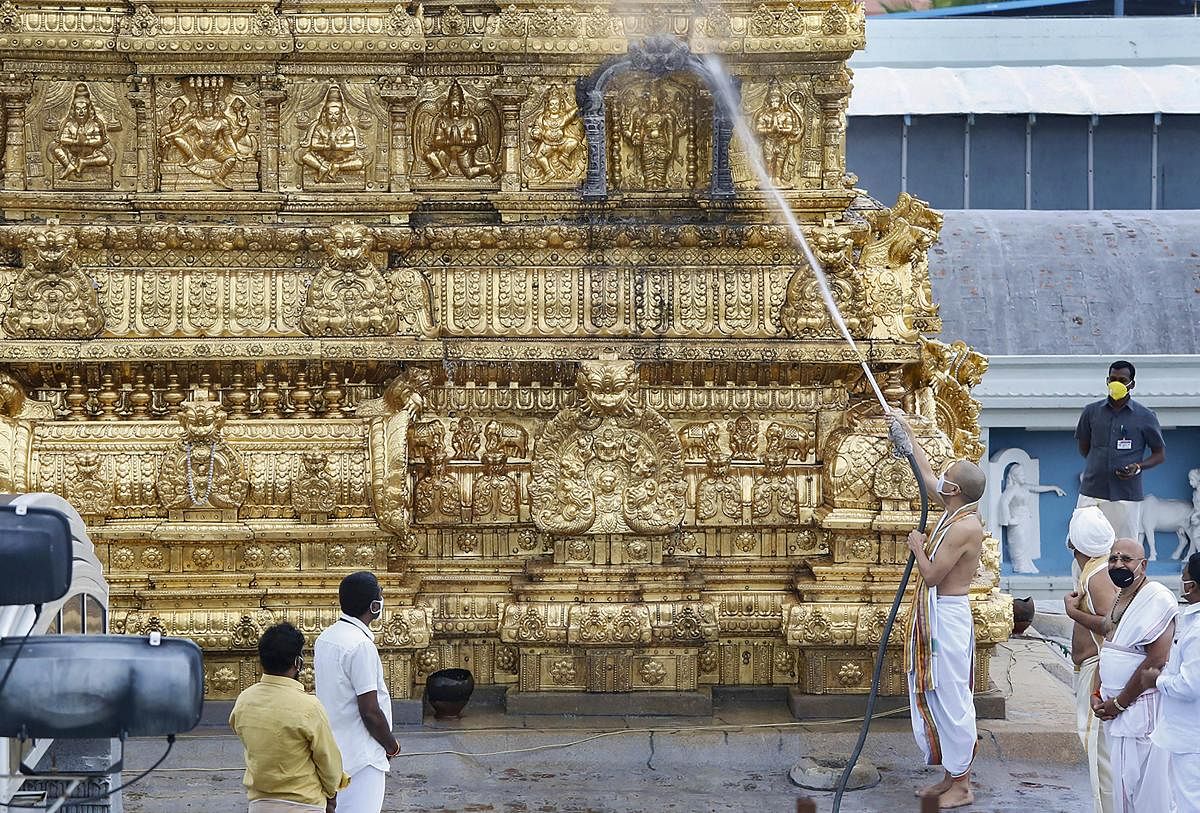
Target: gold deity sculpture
[651,129]
[457,138]
[470,298]
[81,146]
[331,148]
[556,139]
[202,471]
[779,127]
[207,134]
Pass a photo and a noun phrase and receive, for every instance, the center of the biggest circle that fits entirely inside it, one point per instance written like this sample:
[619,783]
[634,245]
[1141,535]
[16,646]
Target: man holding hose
[939,650]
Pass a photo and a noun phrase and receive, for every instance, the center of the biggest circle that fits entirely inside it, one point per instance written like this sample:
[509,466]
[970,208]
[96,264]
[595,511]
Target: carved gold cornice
[581,34]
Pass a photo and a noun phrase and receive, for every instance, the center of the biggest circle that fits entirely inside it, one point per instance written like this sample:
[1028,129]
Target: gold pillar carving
[510,97]
[15,90]
[399,93]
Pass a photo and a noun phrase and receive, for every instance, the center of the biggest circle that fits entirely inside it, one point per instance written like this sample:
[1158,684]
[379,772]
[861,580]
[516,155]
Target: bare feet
[937,789]
[959,794]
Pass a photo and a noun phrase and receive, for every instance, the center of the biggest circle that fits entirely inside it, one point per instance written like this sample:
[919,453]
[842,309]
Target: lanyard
[357,627]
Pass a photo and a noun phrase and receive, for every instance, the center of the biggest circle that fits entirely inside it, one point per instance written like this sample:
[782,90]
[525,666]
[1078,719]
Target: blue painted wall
[1061,465]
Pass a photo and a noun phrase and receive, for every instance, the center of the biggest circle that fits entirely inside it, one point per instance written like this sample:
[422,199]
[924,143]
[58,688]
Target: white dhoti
[1139,775]
[1094,743]
[1139,767]
[1184,773]
[943,718]
[365,793]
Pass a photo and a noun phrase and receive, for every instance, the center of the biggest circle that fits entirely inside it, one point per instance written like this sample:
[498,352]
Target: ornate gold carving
[331,151]
[314,492]
[851,674]
[81,149]
[91,492]
[652,672]
[391,417]
[607,465]
[779,125]
[207,134]
[556,151]
[943,393]
[202,471]
[719,495]
[53,298]
[895,271]
[563,672]
[653,119]
[350,297]
[456,136]
[10,18]
[804,313]
[433,390]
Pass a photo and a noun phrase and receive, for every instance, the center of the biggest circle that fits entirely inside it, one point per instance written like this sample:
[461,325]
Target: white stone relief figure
[1017,512]
[1173,516]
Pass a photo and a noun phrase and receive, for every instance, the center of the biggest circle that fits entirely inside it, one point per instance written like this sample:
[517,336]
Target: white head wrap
[1090,532]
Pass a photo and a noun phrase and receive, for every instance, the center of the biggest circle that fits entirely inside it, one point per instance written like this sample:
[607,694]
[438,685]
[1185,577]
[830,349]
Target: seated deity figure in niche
[653,131]
[556,138]
[458,142]
[210,142]
[779,127]
[82,141]
[332,142]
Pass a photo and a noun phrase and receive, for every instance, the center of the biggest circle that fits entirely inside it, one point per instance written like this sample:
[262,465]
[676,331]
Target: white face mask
[377,607]
[942,482]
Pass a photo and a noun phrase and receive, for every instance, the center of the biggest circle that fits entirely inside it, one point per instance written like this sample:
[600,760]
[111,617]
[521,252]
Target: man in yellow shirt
[292,761]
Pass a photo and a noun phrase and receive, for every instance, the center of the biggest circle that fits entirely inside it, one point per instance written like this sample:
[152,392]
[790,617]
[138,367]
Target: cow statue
[1176,516]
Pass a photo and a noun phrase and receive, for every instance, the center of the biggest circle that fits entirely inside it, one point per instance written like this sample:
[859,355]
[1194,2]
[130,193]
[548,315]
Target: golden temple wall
[292,291]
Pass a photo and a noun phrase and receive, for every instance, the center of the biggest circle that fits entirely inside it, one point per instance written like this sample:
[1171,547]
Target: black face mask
[1121,576]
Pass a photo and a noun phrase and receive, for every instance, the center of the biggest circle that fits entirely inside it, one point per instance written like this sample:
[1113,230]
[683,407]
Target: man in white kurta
[1091,537]
[1178,728]
[1139,640]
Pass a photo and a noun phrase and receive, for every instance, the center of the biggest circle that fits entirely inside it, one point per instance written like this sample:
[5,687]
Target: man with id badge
[1113,436]
[351,687]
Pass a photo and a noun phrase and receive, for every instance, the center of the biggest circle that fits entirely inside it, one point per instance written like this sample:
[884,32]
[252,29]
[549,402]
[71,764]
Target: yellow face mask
[1117,390]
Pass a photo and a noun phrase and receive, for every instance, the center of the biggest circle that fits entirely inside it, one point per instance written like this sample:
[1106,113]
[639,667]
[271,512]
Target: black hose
[883,642]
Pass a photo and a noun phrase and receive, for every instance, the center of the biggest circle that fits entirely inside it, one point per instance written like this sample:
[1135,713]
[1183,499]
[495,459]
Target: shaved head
[969,478]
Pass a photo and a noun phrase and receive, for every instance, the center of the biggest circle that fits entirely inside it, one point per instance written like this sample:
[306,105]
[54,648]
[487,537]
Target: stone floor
[737,760]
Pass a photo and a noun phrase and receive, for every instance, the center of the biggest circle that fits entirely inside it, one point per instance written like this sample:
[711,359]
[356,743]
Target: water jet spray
[729,98]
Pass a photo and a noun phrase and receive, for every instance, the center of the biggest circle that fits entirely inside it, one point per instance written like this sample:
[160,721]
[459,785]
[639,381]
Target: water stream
[730,99]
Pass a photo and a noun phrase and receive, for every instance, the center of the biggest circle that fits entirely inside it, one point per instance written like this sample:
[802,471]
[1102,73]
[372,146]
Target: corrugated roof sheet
[1043,282]
[1082,90]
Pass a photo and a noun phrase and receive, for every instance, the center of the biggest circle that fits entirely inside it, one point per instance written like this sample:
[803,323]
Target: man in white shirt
[351,687]
[1179,685]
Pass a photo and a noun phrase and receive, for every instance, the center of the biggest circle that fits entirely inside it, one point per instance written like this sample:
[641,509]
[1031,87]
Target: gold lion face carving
[202,421]
[608,388]
[348,243]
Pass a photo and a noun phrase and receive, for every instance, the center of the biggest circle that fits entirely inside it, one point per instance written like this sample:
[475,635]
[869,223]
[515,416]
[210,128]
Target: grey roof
[1049,282]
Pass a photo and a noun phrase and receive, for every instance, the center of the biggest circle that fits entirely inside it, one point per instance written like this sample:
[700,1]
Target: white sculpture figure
[1173,516]
[1015,512]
